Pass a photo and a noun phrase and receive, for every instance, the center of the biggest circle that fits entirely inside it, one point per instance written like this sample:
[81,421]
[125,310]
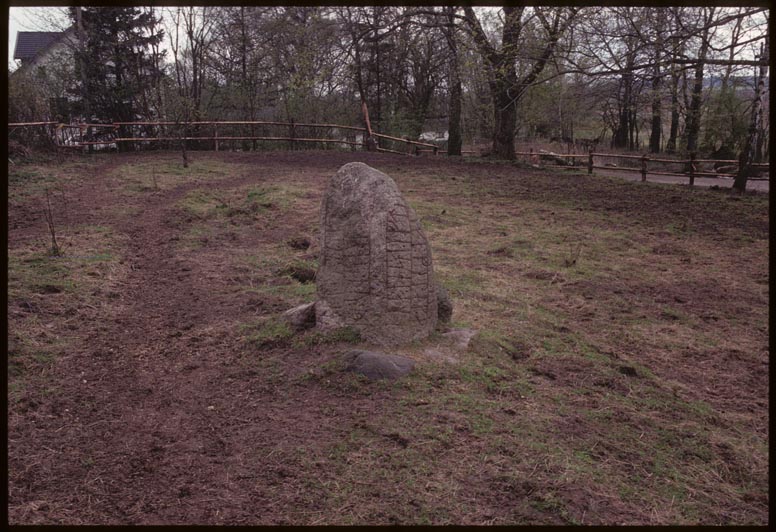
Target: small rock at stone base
[461,337]
[376,365]
[301,317]
[443,355]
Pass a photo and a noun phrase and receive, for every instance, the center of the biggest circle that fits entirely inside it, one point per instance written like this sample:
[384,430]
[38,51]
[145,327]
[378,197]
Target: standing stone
[375,272]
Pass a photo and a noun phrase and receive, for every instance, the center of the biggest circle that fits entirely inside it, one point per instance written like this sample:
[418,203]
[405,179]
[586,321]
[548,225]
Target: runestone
[375,273]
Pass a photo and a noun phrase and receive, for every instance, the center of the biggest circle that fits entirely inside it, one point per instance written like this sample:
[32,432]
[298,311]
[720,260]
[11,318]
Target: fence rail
[691,165]
[81,134]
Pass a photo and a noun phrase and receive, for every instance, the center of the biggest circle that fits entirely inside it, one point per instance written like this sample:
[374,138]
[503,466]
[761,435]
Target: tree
[749,153]
[528,37]
[658,26]
[455,139]
[694,110]
[676,49]
[725,126]
[119,63]
[190,43]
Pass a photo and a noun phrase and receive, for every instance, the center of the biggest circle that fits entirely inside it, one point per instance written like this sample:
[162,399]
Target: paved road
[706,182]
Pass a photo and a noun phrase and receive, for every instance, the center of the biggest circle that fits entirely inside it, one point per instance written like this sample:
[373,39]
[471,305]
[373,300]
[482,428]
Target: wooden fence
[690,167]
[80,135]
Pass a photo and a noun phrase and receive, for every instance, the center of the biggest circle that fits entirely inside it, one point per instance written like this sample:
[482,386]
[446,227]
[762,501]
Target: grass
[165,172]
[271,332]
[597,382]
[45,292]
[621,350]
[346,335]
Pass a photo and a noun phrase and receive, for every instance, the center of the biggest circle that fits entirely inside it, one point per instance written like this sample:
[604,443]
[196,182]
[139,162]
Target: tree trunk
[749,153]
[454,139]
[694,110]
[657,127]
[183,147]
[622,132]
[505,114]
[87,108]
[761,151]
[671,143]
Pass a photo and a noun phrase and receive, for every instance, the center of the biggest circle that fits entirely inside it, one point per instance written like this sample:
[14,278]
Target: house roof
[30,43]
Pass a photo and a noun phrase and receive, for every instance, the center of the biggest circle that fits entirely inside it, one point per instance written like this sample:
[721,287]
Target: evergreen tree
[118,61]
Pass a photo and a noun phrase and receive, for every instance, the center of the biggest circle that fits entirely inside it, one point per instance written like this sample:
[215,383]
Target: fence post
[590,160]
[692,168]
[215,134]
[370,142]
[644,168]
[436,148]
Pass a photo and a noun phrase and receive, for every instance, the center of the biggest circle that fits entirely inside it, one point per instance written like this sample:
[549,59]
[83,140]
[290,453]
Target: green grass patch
[346,335]
[165,172]
[269,332]
[203,204]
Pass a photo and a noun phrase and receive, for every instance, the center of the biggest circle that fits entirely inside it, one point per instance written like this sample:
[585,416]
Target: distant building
[36,49]
[47,67]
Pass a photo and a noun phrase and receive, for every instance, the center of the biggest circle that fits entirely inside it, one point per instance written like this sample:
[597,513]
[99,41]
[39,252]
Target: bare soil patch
[620,375]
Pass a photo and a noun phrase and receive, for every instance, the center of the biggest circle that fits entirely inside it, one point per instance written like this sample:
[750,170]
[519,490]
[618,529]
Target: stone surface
[301,317]
[325,318]
[375,272]
[444,305]
[376,365]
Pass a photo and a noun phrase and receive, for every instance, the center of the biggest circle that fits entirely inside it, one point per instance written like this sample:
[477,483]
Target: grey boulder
[376,365]
[301,317]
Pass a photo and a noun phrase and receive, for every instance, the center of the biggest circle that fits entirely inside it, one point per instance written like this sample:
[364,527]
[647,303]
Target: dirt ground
[620,375]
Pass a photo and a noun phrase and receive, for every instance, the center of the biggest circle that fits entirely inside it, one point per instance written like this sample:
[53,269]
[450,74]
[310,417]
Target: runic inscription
[375,271]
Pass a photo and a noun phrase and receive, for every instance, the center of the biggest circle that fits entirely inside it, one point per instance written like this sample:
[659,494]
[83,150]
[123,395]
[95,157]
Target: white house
[35,49]
[46,63]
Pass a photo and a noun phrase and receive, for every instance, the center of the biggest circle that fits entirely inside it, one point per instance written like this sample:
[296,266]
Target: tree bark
[504,113]
[657,126]
[454,139]
[671,143]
